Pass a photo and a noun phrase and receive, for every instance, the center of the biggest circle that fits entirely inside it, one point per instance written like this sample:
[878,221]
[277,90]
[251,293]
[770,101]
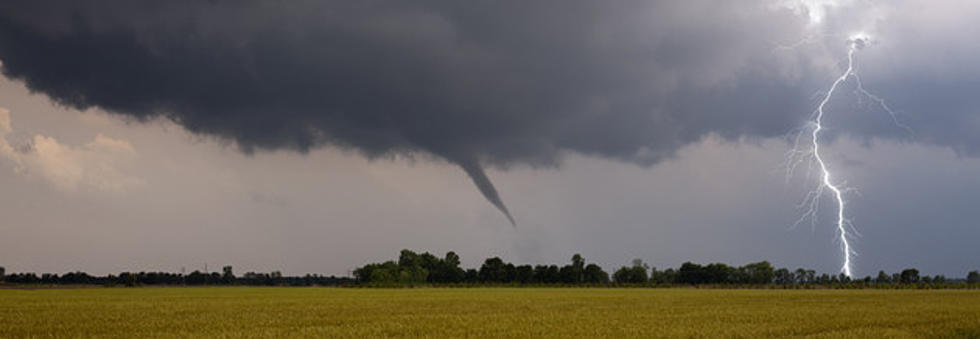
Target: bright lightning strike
[825,173]
[837,189]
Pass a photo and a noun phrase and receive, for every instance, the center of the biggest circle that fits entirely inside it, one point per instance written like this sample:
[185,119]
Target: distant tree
[634,274]
[718,273]
[196,278]
[973,277]
[883,278]
[939,279]
[691,273]
[669,276]
[784,277]
[524,274]
[493,270]
[451,272]
[471,276]
[227,275]
[578,268]
[595,275]
[428,261]
[909,276]
[567,274]
[408,258]
[759,273]
[800,275]
[128,278]
[547,274]
[3,272]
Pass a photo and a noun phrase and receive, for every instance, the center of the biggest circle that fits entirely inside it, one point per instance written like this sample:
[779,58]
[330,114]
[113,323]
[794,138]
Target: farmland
[491,312]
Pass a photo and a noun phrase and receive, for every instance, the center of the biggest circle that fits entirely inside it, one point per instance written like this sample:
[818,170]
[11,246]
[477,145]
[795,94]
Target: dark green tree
[718,273]
[635,274]
[524,274]
[471,276]
[493,270]
[578,268]
[227,275]
[973,277]
[909,276]
[758,273]
[691,273]
[883,278]
[451,272]
[408,258]
[595,275]
[784,277]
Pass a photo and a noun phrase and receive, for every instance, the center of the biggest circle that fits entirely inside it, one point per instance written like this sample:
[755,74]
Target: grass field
[492,312]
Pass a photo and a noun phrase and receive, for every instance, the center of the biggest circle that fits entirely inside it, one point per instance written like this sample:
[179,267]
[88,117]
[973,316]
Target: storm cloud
[476,83]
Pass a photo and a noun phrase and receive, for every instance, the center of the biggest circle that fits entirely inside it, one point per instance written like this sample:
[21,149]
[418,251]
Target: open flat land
[490,312]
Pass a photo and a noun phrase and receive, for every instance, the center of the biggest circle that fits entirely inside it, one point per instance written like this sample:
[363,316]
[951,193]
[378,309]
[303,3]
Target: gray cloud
[477,83]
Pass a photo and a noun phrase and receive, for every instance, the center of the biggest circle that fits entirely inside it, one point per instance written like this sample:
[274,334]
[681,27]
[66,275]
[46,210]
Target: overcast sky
[314,137]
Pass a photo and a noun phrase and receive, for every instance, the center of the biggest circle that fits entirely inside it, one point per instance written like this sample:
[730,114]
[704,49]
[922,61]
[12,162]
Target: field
[490,312]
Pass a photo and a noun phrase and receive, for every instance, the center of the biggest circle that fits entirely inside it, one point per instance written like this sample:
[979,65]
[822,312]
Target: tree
[973,277]
[524,274]
[493,270]
[670,276]
[471,276]
[909,276]
[883,278]
[196,278]
[636,274]
[691,273]
[758,273]
[594,274]
[567,274]
[578,268]
[801,275]
[546,274]
[3,271]
[451,272]
[227,276]
[129,279]
[408,258]
[784,277]
[718,273]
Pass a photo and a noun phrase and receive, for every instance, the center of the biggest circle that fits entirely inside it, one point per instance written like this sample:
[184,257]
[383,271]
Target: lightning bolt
[837,190]
[827,183]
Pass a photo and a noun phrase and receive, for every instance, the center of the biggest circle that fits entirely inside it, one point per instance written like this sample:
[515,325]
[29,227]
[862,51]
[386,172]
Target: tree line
[413,268]
[227,277]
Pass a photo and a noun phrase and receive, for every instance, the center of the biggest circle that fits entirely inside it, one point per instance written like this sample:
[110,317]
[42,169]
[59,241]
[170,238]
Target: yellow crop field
[486,312]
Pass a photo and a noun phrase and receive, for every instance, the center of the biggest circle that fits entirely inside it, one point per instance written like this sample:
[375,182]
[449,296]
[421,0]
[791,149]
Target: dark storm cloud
[477,83]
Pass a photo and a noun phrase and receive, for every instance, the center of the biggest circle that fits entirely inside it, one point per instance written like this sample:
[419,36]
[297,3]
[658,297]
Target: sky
[317,136]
